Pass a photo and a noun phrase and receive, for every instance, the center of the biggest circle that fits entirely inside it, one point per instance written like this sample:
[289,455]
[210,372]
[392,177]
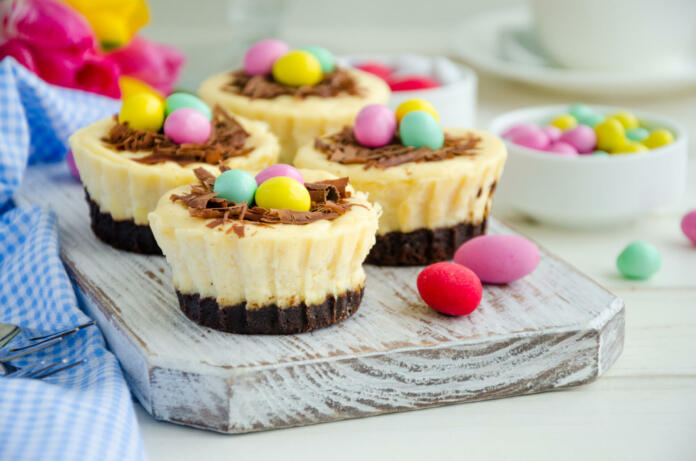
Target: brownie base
[270,319]
[124,235]
[422,246]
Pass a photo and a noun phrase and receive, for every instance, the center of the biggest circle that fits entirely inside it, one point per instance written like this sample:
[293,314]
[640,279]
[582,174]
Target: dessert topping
[375,126]
[142,111]
[187,126]
[279,169]
[178,100]
[264,87]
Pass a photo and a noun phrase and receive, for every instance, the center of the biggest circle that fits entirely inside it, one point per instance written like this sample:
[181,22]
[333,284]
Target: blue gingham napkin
[85,413]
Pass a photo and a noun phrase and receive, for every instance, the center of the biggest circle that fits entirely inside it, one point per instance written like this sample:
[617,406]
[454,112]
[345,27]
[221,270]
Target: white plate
[501,42]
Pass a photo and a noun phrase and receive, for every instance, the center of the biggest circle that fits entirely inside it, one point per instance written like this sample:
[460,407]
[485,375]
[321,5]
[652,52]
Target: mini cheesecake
[244,269]
[125,171]
[432,200]
[296,115]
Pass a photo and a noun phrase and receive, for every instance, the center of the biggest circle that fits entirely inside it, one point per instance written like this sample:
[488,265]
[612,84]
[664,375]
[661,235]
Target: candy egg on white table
[454,99]
[593,189]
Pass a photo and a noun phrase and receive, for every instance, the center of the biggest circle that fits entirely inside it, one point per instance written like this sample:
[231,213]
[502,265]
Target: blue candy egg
[236,186]
[179,100]
[420,129]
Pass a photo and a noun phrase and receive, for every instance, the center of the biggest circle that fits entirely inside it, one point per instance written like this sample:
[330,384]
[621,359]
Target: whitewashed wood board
[554,329]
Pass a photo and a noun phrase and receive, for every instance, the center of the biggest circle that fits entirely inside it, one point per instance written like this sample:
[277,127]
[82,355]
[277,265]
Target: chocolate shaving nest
[328,202]
[344,148]
[227,139]
[264,87]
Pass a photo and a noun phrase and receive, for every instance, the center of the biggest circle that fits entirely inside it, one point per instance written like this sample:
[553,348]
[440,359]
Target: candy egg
[639,260]
[564,122]
[236,186]
[325,57]
[375,125]
[627,119]
[562,148]
[658,138]
[552,132]
[415,104]
[518,128]
[281,193]
[260,57]
[420,129]
[180,100]
[532,139]
[411,83]
[450,288]
[297,68]
[279,169]
[600,153]
[637,134]
[688,226]
[610,133]
[375,68]
[187,125]
[582,137]
[498,258]
[592,119]
[142,111]
[580,111]
[629,147]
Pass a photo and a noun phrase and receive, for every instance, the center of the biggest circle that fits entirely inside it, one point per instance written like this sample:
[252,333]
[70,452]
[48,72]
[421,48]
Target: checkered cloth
[84,413]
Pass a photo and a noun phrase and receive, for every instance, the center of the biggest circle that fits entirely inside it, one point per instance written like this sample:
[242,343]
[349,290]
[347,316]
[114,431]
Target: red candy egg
[375,68]
[450,288]
[411,83]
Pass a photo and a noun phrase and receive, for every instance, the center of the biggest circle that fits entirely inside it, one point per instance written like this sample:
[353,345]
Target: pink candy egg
[688,225]
[260,57]
[187,125]
[519,128]
[375,125]
[582,138]
[552,132]
[70,160]
[562,148]
[498,258]
[531,139]
[279,169]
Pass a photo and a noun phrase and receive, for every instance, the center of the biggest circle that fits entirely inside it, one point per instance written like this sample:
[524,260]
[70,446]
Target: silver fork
[35,344]
[41,370]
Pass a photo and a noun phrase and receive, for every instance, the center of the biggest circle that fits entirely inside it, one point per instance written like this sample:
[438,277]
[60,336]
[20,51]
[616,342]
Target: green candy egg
[600,153]
[637,134]
[236,186]
[591,119]
[178,100]
[325,57]
[639,261]
[420,129]
[580,111]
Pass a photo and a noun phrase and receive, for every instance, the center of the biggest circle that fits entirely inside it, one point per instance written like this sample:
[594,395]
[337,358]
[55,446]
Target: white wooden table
[643,408]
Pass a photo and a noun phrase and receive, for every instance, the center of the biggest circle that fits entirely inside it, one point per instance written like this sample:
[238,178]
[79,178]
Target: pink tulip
[20,52]
[155,64]
[99,74]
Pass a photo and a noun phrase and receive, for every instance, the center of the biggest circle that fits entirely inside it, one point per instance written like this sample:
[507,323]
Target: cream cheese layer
[297,121]
[282,264]
[129,190]
[428,194]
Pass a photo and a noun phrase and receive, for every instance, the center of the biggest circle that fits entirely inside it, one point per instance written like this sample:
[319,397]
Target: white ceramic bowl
[454,100]
[587,191]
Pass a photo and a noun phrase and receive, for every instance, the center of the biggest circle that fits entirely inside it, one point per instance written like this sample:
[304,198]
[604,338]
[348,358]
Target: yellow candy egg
[142,111]
[131,86]
[629,147]
[415,104]
[627,119]
[564,122]
[658,138]
[610,134]
[281,192]
[297,68]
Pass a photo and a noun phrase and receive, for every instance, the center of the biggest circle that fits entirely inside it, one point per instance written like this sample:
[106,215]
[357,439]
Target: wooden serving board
[554,329]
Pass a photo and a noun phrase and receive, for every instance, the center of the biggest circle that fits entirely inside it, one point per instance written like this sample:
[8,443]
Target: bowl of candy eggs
[588,165]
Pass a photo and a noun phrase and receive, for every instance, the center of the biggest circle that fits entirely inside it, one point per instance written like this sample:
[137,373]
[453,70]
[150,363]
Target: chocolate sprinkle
[328,202]
[227,139]
[343,148]
[264,87]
